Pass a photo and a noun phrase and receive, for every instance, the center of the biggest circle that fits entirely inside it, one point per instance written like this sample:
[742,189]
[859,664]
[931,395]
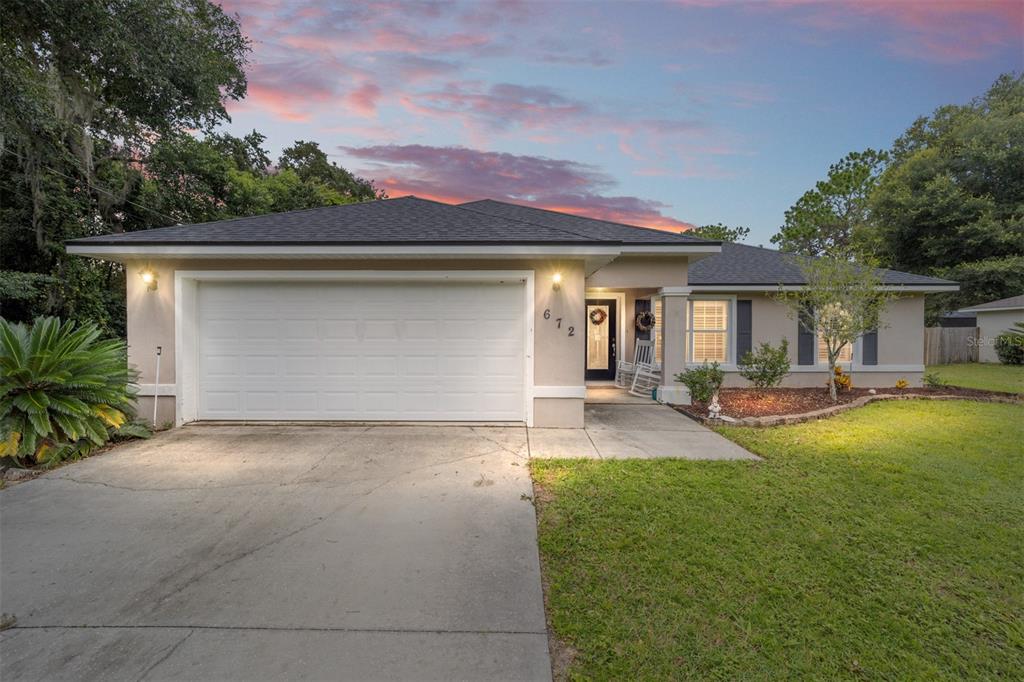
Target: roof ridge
[528,222]
[580,217]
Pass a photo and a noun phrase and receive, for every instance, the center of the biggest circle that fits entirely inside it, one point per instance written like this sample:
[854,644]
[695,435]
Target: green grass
[885,543]
[987,376]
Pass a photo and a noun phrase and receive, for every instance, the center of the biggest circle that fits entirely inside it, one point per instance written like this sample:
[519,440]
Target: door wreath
[598,316]
[645,321]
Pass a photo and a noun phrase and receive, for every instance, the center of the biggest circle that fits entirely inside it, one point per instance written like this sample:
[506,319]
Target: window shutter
[744,328]
[642,306]
[869,349]
[807,345]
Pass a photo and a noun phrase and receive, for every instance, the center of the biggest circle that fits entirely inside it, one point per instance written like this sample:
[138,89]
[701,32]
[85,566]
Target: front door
[600,339]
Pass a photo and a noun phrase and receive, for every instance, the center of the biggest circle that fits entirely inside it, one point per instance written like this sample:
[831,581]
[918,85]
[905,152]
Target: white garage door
[361,351]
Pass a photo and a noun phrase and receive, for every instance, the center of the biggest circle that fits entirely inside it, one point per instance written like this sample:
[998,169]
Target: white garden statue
[714,409]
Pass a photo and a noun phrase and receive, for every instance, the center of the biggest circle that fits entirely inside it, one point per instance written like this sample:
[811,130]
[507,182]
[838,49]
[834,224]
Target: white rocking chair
[646,378]
[643,355]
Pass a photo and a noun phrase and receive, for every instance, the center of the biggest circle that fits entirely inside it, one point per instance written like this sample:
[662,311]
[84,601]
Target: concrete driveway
[270,552]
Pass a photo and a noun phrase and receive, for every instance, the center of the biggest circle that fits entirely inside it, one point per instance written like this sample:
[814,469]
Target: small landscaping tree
[767,366]
[846,300]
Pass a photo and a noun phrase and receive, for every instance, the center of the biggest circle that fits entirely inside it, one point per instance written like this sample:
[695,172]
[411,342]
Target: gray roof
[601,229]
[1011,302]
[411,220]
[740,264]
[406,220]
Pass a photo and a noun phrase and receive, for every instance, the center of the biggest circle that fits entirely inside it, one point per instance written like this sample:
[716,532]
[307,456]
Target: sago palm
[63,391]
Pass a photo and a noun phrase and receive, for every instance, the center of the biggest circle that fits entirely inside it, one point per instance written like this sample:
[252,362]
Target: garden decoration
[645,321]
[714,409]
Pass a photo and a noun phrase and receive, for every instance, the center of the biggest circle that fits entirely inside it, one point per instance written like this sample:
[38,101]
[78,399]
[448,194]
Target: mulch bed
[740,403]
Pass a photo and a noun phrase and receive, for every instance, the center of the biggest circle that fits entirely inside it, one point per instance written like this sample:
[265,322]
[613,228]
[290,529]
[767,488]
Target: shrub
[64,392]
[932,380]
[767,366]
[902,383]
[703,381]
[1010,345]
[843,381]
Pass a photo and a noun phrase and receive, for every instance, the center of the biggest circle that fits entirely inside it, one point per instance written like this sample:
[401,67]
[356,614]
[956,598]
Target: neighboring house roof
[1011,303]
[406,220]
[740,264]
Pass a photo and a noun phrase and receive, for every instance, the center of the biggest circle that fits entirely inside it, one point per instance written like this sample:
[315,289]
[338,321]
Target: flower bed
[753,407]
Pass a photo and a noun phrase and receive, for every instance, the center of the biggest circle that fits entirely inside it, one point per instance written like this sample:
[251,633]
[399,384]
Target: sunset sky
[660,114]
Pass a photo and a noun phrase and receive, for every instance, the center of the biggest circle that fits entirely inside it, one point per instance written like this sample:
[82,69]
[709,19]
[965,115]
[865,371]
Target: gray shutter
[744,328]
[807,344]
[641,305]
[869,348]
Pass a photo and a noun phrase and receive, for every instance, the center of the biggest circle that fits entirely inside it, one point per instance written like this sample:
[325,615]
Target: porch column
[674,313]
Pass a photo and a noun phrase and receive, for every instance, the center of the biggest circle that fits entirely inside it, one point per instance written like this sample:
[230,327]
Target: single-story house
[994,318]
[408,309]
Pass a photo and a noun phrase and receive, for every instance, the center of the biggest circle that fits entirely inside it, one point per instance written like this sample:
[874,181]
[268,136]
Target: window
[845,355]
[835,315]
[709,331]
[656,330]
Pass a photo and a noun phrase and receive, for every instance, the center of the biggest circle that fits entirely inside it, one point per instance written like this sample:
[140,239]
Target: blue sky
[662,114]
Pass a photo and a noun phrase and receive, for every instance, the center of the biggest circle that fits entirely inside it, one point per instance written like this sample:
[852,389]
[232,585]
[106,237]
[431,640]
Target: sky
[662,114]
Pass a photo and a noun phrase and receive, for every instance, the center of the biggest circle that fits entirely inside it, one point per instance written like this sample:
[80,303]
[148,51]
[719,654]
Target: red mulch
[751,402]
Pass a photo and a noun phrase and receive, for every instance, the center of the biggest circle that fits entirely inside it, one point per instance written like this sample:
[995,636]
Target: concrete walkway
[618,425]
[278,552]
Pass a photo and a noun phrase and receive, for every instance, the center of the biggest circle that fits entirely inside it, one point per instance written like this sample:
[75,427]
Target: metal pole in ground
[156,384]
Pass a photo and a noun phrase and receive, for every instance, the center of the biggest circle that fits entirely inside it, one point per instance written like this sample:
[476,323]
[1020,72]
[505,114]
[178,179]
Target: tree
[834,216]
[721,232]
[951,203]
[87,86]
[311,165]
[845,300]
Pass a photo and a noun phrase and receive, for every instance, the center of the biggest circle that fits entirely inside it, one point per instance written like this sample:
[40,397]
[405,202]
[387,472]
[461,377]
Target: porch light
[149,277]
[556,281]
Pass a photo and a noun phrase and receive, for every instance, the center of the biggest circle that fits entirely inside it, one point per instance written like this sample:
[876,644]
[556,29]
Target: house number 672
[558,321]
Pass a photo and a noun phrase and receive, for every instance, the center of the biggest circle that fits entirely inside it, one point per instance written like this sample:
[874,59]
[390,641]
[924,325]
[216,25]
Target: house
[408,309]
[994,318]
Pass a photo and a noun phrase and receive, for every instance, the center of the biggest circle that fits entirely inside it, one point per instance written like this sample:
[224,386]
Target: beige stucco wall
[558,358]
[990,326]
[638,272]
[900,342]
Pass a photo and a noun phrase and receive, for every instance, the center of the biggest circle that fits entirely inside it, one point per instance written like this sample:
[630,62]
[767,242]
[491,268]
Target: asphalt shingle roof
[406,220]
[411,220]
[740,264]
[600,229]
[1011,302]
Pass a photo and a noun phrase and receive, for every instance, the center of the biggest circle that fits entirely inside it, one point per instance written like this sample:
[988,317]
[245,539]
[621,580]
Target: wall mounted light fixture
[149,278]
[556,281]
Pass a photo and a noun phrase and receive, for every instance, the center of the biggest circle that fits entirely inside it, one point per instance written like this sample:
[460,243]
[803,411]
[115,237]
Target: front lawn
[984,376]
[884,543]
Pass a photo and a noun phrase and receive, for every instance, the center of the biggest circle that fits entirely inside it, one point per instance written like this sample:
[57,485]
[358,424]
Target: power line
[95,187]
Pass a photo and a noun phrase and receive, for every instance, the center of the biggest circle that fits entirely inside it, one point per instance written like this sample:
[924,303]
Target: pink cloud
[363,100]
[943,31]
[457,174]
[499,106]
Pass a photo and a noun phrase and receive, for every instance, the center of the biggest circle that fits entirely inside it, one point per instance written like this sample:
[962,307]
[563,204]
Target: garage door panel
[423,351]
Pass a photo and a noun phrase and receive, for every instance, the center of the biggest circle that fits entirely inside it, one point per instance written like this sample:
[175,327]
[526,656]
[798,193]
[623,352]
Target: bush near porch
[883,543]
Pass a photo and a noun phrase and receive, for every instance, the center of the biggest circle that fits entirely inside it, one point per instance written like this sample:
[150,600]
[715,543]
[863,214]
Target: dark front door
[600,338]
